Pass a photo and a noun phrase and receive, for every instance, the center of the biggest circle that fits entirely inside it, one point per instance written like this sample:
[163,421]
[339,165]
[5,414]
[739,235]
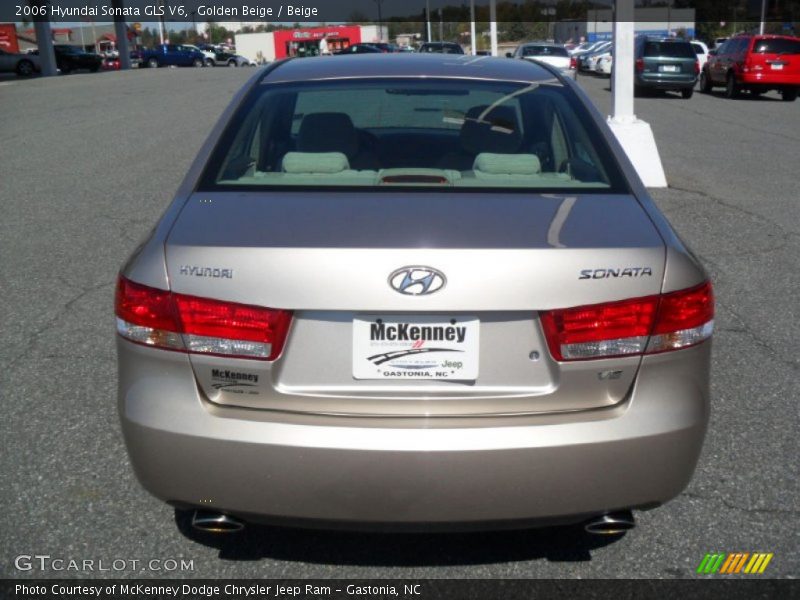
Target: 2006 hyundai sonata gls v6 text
[413,291]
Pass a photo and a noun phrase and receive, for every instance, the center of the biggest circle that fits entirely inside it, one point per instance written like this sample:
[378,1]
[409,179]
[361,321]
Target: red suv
[757,63]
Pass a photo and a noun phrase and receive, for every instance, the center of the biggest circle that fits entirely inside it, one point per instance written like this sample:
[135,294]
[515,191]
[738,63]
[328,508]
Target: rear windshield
[544,51]
[776,46]
[669,49]
[468,134]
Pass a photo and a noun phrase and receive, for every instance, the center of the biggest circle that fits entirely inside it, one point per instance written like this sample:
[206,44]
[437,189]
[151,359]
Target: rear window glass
[544,51]
[669,49]
[776,46]
[698,49]
[466,134]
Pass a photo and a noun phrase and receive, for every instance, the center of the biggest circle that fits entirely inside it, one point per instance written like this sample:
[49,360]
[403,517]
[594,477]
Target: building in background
[599,24]
[282,43]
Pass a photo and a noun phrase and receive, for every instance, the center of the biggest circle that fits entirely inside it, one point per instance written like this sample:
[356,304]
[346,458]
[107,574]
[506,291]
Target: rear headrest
[328,132]
[507,164]
[496,130]
[315,162]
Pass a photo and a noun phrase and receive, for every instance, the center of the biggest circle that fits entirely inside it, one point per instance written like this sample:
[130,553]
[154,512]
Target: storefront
[283,43]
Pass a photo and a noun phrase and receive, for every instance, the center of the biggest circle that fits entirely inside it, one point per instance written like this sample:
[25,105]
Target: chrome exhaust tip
[613,523]
[214,522]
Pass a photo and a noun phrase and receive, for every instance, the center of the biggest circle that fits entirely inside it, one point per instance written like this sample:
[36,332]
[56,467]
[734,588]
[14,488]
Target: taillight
[638,326]
[573,62]
[639,65]
[185,323]
[697,67]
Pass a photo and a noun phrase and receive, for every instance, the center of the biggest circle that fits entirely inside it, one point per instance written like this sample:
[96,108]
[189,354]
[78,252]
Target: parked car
[441,48]
[588,60]
[360,49]
[755,63]
[171,55]
[447,299]
[74,58]
[23,65]
[207,51]
[605,65]
[385,47]
[701,51]
[719,41]
[665,64]
[551,54]
[111,63]
[226,59]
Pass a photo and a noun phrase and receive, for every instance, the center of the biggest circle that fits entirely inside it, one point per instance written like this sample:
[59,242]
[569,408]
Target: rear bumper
[769,80]
[658,82]
[266,466]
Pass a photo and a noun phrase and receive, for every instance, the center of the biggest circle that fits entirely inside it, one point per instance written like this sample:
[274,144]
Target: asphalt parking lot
[87,164]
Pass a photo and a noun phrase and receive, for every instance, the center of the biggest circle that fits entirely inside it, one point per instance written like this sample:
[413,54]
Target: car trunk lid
[328,257]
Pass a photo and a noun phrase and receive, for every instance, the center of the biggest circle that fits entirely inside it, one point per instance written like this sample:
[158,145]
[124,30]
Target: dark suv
[756,63]
[665,64]
[442,48]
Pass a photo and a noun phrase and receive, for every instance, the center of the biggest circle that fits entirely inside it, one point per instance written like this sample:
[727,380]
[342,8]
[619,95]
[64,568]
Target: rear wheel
[731,87]
[232,63]
[687,93]
[25,68]
[209,62]
[705,83]
[789,94]
[152,63]
[197,62]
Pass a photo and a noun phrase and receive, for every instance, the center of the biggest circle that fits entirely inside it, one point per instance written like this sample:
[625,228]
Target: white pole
[473,39]
[763,16]
[493,25]
[428,18]
[622,95]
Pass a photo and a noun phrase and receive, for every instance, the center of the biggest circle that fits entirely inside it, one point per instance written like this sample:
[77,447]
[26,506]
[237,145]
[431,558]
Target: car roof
[459,66]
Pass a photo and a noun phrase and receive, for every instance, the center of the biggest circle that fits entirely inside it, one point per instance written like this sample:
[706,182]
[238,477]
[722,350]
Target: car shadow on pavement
[256,542]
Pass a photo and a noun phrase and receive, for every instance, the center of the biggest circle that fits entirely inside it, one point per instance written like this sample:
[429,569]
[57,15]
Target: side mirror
[509,55]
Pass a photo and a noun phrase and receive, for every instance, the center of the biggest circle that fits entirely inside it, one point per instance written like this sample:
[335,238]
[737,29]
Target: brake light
[639,65]
[697,67]
[163,319]
[573,62]
[638,326]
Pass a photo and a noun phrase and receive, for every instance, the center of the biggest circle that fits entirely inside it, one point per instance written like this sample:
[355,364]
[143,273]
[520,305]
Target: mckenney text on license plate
[415,347]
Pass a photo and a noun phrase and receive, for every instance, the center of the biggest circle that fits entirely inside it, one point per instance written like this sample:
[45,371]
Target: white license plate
[669,68]
[776,67]
[415,347]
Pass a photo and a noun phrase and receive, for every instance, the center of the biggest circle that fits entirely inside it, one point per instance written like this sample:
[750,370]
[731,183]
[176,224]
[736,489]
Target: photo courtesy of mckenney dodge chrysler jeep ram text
[413,291]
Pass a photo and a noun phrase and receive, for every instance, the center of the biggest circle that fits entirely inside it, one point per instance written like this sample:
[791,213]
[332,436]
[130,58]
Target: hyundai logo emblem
[416,281]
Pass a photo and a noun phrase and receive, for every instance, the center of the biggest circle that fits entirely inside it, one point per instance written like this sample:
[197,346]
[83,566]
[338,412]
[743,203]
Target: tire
[232,63]
[731,87]
[687,93]
[153,63]
[209,62]
[25,68]
[705,83]
[789,94]
[197,62]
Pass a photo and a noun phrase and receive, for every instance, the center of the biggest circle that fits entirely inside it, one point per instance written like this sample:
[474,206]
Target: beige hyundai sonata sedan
[413,291]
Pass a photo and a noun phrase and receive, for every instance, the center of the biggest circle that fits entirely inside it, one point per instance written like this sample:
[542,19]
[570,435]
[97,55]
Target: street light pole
[763,16]
[428,18]
[380,21]
[473,41]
